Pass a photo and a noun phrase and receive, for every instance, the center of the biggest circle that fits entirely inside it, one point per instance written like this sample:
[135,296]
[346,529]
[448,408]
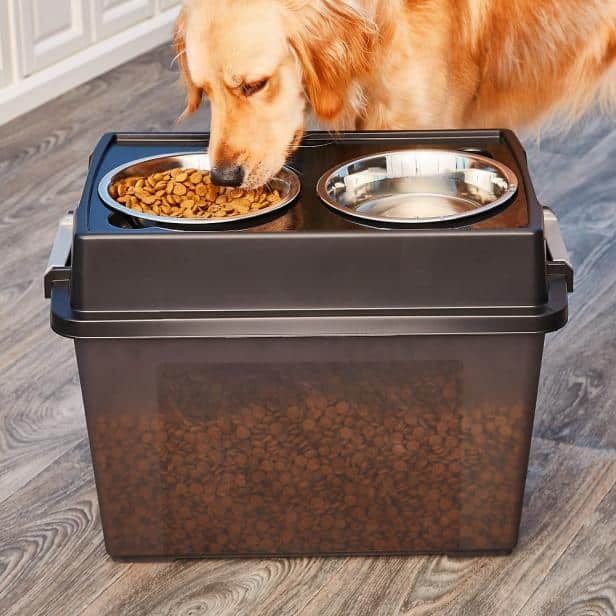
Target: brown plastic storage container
[305,383]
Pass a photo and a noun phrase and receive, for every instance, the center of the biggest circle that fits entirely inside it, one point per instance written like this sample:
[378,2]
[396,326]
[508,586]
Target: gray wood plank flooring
[52,558]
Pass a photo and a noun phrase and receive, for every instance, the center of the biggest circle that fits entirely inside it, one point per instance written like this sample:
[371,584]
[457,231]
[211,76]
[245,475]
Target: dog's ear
[194,94]
[333,41]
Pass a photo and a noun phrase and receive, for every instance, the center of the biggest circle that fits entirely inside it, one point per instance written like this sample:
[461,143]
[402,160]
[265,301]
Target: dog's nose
[227,175]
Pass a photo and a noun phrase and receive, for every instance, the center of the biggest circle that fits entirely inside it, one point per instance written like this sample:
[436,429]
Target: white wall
[50,46]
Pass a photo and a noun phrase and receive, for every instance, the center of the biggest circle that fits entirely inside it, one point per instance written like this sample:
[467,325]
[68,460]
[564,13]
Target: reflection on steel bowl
[418,186]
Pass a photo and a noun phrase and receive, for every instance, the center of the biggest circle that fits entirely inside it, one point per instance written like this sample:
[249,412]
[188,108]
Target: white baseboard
[33,91]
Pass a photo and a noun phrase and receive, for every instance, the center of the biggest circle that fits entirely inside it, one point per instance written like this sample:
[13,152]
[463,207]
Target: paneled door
[113,16]
[51,30]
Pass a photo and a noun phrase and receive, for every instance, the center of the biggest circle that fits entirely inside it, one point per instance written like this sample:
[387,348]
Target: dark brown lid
[309,259]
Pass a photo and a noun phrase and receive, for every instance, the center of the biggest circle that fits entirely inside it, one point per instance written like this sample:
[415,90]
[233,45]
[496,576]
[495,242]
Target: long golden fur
[386,64]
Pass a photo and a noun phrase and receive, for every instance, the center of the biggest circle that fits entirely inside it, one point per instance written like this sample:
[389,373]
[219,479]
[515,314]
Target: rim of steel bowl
[335,183]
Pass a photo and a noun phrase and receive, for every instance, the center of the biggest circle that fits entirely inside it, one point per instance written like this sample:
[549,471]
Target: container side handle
[57,266]
[559,264]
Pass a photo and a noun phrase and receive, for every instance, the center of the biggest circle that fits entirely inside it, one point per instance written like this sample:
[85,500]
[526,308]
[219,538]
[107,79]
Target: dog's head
[260,62]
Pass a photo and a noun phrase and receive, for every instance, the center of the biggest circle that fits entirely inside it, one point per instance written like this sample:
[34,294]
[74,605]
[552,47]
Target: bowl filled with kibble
[177,189]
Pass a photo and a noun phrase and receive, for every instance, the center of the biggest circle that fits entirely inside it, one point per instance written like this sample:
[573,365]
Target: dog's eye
[248,89]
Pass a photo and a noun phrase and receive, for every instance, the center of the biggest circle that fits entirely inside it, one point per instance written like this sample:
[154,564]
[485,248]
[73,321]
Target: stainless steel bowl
[418,186]
[286,182]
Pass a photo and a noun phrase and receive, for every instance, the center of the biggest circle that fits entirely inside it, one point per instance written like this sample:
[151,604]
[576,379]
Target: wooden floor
[52,559]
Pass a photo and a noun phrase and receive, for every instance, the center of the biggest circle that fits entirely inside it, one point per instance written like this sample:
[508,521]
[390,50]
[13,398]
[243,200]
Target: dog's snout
[227,175]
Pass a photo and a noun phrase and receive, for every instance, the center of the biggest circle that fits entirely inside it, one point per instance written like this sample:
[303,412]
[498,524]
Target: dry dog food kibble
[305,458]
[188,193]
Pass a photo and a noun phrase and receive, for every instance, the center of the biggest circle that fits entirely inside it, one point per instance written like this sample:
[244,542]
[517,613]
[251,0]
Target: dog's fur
[386,64]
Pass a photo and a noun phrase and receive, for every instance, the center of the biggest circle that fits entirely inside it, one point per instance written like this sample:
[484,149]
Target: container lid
[308,267]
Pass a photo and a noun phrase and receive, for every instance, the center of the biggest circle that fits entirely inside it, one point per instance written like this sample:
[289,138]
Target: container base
[449,554]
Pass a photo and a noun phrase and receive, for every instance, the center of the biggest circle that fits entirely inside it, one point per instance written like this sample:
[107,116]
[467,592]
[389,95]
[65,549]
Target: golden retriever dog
[384,64]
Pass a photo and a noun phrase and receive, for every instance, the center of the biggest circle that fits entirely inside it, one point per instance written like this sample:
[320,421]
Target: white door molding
[167,4]
[113,16]
[6,66]
[49,31]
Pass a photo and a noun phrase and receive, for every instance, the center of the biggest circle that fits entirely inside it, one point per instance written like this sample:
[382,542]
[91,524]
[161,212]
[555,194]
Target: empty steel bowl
[286,182]
[418,186]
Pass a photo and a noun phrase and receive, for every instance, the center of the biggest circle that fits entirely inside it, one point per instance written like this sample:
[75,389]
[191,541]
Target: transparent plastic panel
[310,446]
